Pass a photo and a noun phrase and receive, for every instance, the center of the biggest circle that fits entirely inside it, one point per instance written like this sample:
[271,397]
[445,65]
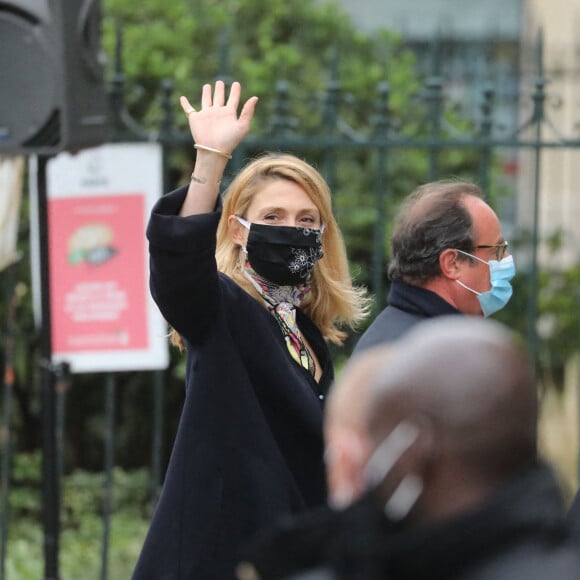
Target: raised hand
[217,130]
[217,124]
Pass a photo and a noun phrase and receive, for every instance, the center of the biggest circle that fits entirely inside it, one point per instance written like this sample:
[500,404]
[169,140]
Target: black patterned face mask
[284,255]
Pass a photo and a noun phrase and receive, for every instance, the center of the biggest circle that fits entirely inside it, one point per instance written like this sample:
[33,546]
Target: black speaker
[52,88]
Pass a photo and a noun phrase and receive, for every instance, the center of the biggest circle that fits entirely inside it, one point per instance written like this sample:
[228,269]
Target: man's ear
[450,264]
[238,233]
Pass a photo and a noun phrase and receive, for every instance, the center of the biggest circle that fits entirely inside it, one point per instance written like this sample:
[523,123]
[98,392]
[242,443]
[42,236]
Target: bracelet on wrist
[202,180]
[212,150]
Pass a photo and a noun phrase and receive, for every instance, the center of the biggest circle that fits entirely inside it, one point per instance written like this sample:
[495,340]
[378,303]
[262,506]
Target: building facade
[494,43]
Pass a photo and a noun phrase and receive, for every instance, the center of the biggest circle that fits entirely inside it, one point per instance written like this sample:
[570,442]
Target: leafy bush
[82,526]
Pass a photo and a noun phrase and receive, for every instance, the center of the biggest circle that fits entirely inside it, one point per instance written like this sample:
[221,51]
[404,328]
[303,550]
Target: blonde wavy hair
[334,303]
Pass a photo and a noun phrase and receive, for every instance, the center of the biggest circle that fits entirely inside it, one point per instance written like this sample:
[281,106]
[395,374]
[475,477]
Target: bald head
[466,382]
[471,380]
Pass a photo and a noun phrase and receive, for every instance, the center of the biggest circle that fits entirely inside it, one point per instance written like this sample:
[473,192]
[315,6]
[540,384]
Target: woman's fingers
[219,100]
[219,94]
[206,96]
[234,97]
[217,123]
[186,106]
[247,111]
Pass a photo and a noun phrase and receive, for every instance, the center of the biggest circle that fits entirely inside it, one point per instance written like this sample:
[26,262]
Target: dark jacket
[574,515]
[249,444]
[408,305]
[519,533]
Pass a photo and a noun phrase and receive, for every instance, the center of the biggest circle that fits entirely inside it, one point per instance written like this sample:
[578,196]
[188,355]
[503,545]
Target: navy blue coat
[408,305]
[249,445]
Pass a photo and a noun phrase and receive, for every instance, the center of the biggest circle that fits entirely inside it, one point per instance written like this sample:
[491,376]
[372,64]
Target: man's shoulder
[387,327]
[408,305]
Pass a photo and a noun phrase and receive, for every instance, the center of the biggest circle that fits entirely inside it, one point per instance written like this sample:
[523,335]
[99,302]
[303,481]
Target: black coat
[518,533]
[249,444]
[574,515]
[408,305]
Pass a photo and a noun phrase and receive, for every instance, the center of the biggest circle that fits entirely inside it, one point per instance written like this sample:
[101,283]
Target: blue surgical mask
[500,274]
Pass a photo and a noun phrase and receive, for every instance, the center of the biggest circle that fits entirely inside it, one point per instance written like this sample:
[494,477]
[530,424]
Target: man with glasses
[448,256]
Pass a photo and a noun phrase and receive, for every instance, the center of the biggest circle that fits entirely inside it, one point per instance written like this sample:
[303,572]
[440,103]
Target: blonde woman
[254,293]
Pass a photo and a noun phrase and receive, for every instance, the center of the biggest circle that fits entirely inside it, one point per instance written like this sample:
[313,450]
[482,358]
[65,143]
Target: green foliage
[25,501]
[258,44]
[80,553]
[81,522]
[557,322]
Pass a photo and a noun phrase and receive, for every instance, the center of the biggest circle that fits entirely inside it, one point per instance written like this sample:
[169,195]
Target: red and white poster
[102,315]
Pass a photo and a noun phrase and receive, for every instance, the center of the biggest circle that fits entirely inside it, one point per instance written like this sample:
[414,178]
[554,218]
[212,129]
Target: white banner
[102,315]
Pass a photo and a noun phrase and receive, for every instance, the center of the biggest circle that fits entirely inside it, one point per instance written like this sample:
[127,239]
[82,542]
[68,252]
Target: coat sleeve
[183,280]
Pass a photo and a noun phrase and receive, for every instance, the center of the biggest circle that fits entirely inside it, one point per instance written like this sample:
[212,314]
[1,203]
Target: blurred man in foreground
[432,468]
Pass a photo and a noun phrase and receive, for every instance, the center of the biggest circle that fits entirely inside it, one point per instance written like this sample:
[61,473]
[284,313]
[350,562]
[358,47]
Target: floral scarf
[282,302]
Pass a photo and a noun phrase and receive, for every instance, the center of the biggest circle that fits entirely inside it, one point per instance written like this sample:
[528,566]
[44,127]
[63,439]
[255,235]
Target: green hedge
[81,539]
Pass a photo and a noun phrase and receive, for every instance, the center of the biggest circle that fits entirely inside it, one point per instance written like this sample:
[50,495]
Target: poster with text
[102,315]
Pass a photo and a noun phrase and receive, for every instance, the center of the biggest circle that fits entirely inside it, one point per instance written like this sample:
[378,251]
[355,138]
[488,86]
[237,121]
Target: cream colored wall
[560,169]
[559,20]
[558,430]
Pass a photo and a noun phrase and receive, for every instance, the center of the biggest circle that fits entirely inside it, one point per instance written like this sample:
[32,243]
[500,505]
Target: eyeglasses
[500,251]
